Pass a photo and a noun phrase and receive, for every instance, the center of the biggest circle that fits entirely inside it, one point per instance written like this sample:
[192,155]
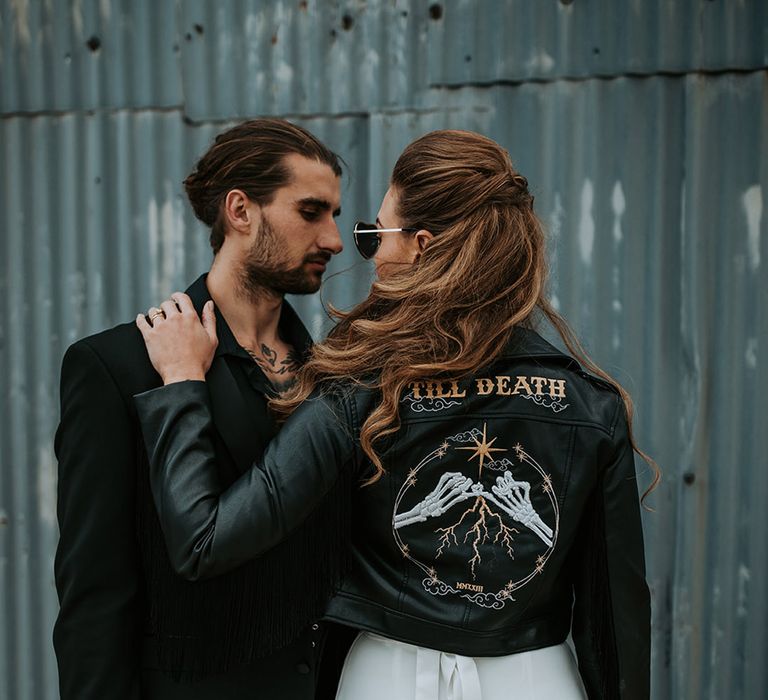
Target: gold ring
[156,314]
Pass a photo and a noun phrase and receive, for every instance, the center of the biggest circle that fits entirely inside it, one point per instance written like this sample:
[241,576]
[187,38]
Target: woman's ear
[420,241]
[423,237]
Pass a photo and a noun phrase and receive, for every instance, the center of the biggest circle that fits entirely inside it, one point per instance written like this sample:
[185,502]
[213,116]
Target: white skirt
[378,668]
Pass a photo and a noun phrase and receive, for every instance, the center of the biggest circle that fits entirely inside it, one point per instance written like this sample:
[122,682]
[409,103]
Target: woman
[497,510]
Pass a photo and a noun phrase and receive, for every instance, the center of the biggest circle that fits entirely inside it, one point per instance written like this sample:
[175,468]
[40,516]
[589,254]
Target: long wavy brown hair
[453,310]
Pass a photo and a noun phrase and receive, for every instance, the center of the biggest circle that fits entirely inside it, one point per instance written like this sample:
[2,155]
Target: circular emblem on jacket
[479,516]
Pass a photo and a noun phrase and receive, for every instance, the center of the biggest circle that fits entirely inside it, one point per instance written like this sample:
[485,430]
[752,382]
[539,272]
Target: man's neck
[253,319]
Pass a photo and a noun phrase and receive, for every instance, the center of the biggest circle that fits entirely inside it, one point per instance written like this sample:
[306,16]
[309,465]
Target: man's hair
[249,157]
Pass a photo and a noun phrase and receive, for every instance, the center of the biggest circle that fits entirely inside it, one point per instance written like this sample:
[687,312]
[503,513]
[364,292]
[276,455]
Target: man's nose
[331,238]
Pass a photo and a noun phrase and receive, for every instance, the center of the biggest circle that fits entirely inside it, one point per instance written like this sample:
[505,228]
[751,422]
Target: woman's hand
[179,346]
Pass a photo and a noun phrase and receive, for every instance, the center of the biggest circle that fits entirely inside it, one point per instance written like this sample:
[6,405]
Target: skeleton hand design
[514,498]
[452,488]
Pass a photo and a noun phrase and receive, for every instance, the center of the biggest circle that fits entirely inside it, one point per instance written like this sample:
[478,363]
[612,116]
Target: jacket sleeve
[208,531]
[97,634]
[611,616]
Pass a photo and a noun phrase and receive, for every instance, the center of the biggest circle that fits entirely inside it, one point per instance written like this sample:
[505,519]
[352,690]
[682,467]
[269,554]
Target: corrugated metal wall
[642,127]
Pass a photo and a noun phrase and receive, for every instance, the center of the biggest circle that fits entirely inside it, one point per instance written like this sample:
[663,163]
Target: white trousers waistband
[439,674]
[378,668]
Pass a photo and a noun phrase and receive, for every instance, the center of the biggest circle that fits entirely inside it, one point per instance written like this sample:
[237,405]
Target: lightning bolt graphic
[478,531]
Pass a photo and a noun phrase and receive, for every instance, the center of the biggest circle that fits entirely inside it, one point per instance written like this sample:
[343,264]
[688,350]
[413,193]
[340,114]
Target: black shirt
[246,370]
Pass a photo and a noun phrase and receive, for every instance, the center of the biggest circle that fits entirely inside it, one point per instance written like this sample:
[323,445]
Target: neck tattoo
[279,372]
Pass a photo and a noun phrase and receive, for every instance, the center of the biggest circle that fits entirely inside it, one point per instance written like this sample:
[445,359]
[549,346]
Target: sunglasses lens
[367,243]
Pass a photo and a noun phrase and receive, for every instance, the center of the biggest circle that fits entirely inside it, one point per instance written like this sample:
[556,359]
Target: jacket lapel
[230,415]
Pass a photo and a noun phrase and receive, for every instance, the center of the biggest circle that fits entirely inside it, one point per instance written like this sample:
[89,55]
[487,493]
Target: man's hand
[179,346]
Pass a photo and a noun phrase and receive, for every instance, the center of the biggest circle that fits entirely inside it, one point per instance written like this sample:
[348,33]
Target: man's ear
[239,211]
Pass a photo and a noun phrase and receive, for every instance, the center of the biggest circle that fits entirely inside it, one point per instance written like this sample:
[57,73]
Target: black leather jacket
[508,515]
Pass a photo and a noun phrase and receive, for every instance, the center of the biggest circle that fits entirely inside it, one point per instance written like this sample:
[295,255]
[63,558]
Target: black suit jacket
[100,637]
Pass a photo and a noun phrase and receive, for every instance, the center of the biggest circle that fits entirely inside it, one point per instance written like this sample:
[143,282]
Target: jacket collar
[290,325]
[198,293]
[230,409]
[528,343]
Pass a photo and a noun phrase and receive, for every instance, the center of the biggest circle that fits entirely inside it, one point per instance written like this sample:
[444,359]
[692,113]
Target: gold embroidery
[469,587]
[522,384]
[500,385]
[481,524]
[483,449]
[435,389]
[484,387]
[557,388]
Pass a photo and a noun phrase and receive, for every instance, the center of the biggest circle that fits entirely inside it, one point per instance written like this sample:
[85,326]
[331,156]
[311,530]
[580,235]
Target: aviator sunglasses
[368,237]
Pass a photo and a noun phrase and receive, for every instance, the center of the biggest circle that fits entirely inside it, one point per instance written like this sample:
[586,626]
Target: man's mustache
[322,257]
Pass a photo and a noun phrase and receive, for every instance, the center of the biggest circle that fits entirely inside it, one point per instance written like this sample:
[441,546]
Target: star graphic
[539,563]
[445,445]
[483,449]
[547,487]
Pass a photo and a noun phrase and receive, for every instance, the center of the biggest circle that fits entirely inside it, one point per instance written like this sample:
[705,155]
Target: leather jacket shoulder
[507,516]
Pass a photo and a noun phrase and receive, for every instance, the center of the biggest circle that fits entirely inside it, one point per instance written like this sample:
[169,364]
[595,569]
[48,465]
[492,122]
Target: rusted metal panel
[298,58]
[88,54]
[516,40]
[651,185]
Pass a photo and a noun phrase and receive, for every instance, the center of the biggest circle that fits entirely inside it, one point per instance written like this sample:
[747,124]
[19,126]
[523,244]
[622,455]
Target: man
[129,628]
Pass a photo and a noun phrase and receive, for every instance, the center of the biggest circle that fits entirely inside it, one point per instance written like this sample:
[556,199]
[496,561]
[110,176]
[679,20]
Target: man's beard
[264,268]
